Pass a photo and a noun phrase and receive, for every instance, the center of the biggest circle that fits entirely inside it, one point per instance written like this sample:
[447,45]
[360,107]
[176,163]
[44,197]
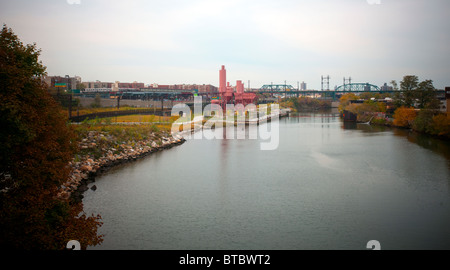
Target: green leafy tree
[394,85]
[97,101]
[423,121]
[425,94]
[36,144]
[81,86]
[397,100]
[408,85]
[422,95]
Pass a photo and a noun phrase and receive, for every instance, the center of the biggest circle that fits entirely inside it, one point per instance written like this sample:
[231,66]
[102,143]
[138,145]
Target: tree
[81,86]
[423,121]
[97,101]
[345,100]
[394,85]
[422,95]
[36,144]
[397,100]
[408,85]
[404,117]
[425,94]
[366,95]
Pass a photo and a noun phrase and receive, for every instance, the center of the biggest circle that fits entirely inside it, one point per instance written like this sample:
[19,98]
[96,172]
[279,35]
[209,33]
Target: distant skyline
[179,41]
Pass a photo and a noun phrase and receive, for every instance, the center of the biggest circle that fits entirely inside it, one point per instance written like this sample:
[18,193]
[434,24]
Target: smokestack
[223,80]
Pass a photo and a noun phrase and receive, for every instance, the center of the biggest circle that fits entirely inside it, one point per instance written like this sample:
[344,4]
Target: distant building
[203,88]
[133,85]
[97,84]
[385,87]
[113,86]
[74,82]
[66,82]
[303,86]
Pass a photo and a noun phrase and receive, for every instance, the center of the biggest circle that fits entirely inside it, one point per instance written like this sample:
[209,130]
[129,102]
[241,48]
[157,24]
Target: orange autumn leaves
[404,117]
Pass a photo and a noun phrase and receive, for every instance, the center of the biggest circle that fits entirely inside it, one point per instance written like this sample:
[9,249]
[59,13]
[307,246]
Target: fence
[81,118]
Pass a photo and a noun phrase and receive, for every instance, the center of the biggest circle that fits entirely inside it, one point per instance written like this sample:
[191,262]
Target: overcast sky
[182,41]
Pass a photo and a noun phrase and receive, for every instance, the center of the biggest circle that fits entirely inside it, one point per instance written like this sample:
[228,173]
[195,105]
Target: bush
[379,121]
[440,125]
[423,121]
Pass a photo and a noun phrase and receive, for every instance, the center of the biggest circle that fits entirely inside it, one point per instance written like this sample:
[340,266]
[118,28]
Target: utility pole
[69,88]
[162,109]
[321,87]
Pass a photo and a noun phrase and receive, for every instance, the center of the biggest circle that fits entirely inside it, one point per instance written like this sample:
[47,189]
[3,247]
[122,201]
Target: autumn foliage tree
[36,145]
[404,117]
[345,101]
[440,125]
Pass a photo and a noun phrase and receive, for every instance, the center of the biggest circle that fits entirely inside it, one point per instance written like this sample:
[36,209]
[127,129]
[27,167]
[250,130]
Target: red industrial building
[232,95]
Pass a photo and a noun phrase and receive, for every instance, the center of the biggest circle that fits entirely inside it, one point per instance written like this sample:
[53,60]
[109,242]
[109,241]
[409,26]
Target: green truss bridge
[358,87]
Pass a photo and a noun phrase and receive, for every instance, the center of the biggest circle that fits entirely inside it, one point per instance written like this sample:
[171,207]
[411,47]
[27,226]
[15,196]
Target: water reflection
[349,125]
[436,145]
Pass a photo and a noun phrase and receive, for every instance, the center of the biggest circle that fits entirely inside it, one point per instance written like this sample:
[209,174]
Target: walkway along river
[329,185]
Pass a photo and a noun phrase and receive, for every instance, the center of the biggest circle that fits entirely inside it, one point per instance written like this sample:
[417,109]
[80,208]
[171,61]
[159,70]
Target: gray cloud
[263,41]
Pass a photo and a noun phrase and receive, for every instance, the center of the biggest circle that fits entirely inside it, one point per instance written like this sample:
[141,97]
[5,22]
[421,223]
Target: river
[328,185]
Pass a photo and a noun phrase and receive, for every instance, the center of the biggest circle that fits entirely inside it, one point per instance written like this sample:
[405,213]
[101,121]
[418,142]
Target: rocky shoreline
[87,168]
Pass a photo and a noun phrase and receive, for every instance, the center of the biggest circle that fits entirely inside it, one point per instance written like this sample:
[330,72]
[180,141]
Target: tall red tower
[223,80]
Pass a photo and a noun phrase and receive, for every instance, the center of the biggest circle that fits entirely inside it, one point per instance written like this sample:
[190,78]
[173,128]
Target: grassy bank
[113,137]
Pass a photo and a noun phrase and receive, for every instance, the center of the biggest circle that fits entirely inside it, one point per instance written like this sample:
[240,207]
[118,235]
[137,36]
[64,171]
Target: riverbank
[424,120]
[101,150]
[437,125]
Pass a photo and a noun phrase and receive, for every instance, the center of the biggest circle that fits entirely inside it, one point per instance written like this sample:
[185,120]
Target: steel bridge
[358,87]
[351,87]
[269,88]
[289,91]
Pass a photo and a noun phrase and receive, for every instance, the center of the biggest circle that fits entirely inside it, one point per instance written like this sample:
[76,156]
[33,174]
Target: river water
[328,185]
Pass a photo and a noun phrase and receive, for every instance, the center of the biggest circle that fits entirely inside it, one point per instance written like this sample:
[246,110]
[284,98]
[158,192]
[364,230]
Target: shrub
[423,121]
[440,125]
